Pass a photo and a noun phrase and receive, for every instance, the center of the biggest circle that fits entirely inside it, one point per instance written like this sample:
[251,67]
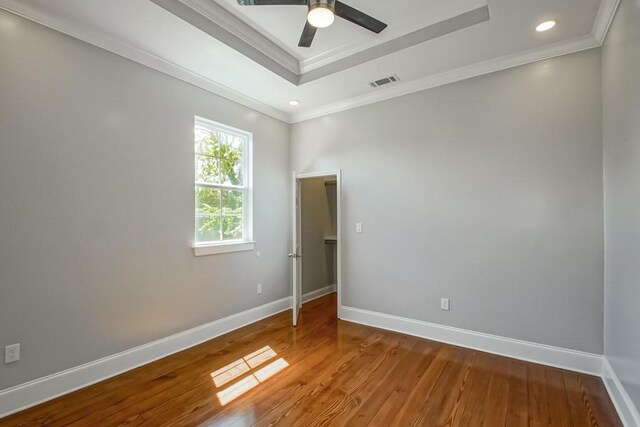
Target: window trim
[223,248]
[226,246]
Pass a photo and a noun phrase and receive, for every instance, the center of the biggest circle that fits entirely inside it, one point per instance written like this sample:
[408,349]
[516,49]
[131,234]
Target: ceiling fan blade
[307,36]
[272,2]
[359,18]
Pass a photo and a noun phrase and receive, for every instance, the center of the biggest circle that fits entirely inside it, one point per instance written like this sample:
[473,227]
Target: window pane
[207,169]
[208,227]
[206,142]
[219,167]
[231,172]
[232,202]
[232,228]
[207,200]
[231,145]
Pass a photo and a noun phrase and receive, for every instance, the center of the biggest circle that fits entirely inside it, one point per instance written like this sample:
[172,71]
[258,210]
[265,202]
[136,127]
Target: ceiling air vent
[385,81]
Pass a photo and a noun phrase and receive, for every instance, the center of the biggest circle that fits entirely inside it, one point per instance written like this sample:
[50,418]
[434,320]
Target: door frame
[338,175]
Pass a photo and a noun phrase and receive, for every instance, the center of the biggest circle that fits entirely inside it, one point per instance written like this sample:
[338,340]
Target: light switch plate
[444,304]
[358,227]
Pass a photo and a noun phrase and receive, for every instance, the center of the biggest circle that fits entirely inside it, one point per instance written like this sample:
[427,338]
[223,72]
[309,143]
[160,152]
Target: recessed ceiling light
[294,102]
[546,25]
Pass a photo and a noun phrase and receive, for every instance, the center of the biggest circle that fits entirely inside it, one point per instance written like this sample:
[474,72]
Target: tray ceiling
[283,25]
[250,54]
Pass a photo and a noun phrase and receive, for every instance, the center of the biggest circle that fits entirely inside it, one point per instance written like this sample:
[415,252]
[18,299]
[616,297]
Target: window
[222,188]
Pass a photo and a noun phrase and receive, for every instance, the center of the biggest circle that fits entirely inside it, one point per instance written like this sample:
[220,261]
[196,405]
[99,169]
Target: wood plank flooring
[330,372]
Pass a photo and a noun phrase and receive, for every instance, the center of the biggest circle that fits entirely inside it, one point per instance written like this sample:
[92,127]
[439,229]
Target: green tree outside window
[220,185]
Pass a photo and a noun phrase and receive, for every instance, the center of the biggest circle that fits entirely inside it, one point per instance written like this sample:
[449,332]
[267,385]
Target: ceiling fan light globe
[321,16]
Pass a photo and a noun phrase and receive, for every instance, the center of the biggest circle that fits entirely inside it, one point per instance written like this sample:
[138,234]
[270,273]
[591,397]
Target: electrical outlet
[11,353]
[444,304]
[259,288]
[358,227]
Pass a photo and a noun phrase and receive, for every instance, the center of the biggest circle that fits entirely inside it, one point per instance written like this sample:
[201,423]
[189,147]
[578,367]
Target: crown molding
[101,40]
[223,25]
[439,29]
[605,16]
[389,35]
[601,25]
[268,44]
[249,23]
[447,77]
[218,28]
[234,25]
[603,20]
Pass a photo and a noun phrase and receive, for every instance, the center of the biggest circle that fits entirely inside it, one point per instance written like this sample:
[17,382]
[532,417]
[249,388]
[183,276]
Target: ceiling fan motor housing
[327,4]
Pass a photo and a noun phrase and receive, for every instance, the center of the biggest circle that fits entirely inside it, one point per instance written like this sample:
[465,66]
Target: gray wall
[487,191]
[97,205]
[621,113]
[318,219]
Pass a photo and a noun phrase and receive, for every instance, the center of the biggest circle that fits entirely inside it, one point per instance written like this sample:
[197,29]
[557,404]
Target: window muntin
[222,184]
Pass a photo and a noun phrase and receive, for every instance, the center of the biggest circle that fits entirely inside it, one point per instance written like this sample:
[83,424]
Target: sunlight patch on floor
[257,358]
[239,367]
[238,389]
[229,372]
[270,370]
[242,366]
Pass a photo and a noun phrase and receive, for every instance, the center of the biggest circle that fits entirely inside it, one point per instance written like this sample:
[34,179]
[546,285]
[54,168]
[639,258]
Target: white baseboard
[318,293]
[32,393]
[624,405]
[532,352]
[43,389]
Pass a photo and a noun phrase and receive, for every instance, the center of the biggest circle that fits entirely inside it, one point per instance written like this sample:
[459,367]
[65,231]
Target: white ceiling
[283,24]
[147,33]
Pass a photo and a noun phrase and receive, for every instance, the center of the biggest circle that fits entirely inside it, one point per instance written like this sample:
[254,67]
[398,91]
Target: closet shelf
[330,240]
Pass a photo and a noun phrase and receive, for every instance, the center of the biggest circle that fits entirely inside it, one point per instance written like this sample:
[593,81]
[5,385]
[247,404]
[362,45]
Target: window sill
[222,248]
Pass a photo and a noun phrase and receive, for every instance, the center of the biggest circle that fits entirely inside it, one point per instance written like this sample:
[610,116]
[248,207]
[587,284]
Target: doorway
[316,238]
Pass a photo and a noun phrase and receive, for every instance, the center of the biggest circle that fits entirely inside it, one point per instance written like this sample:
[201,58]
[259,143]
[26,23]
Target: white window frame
[247,243]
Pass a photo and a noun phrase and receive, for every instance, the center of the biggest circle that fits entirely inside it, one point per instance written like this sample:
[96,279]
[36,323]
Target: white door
[295,255]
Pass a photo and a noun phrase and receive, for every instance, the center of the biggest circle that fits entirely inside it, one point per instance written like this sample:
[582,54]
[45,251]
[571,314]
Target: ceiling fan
[321,14]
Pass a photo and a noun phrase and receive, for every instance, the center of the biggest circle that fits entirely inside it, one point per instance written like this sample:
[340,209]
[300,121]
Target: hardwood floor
[330,372]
